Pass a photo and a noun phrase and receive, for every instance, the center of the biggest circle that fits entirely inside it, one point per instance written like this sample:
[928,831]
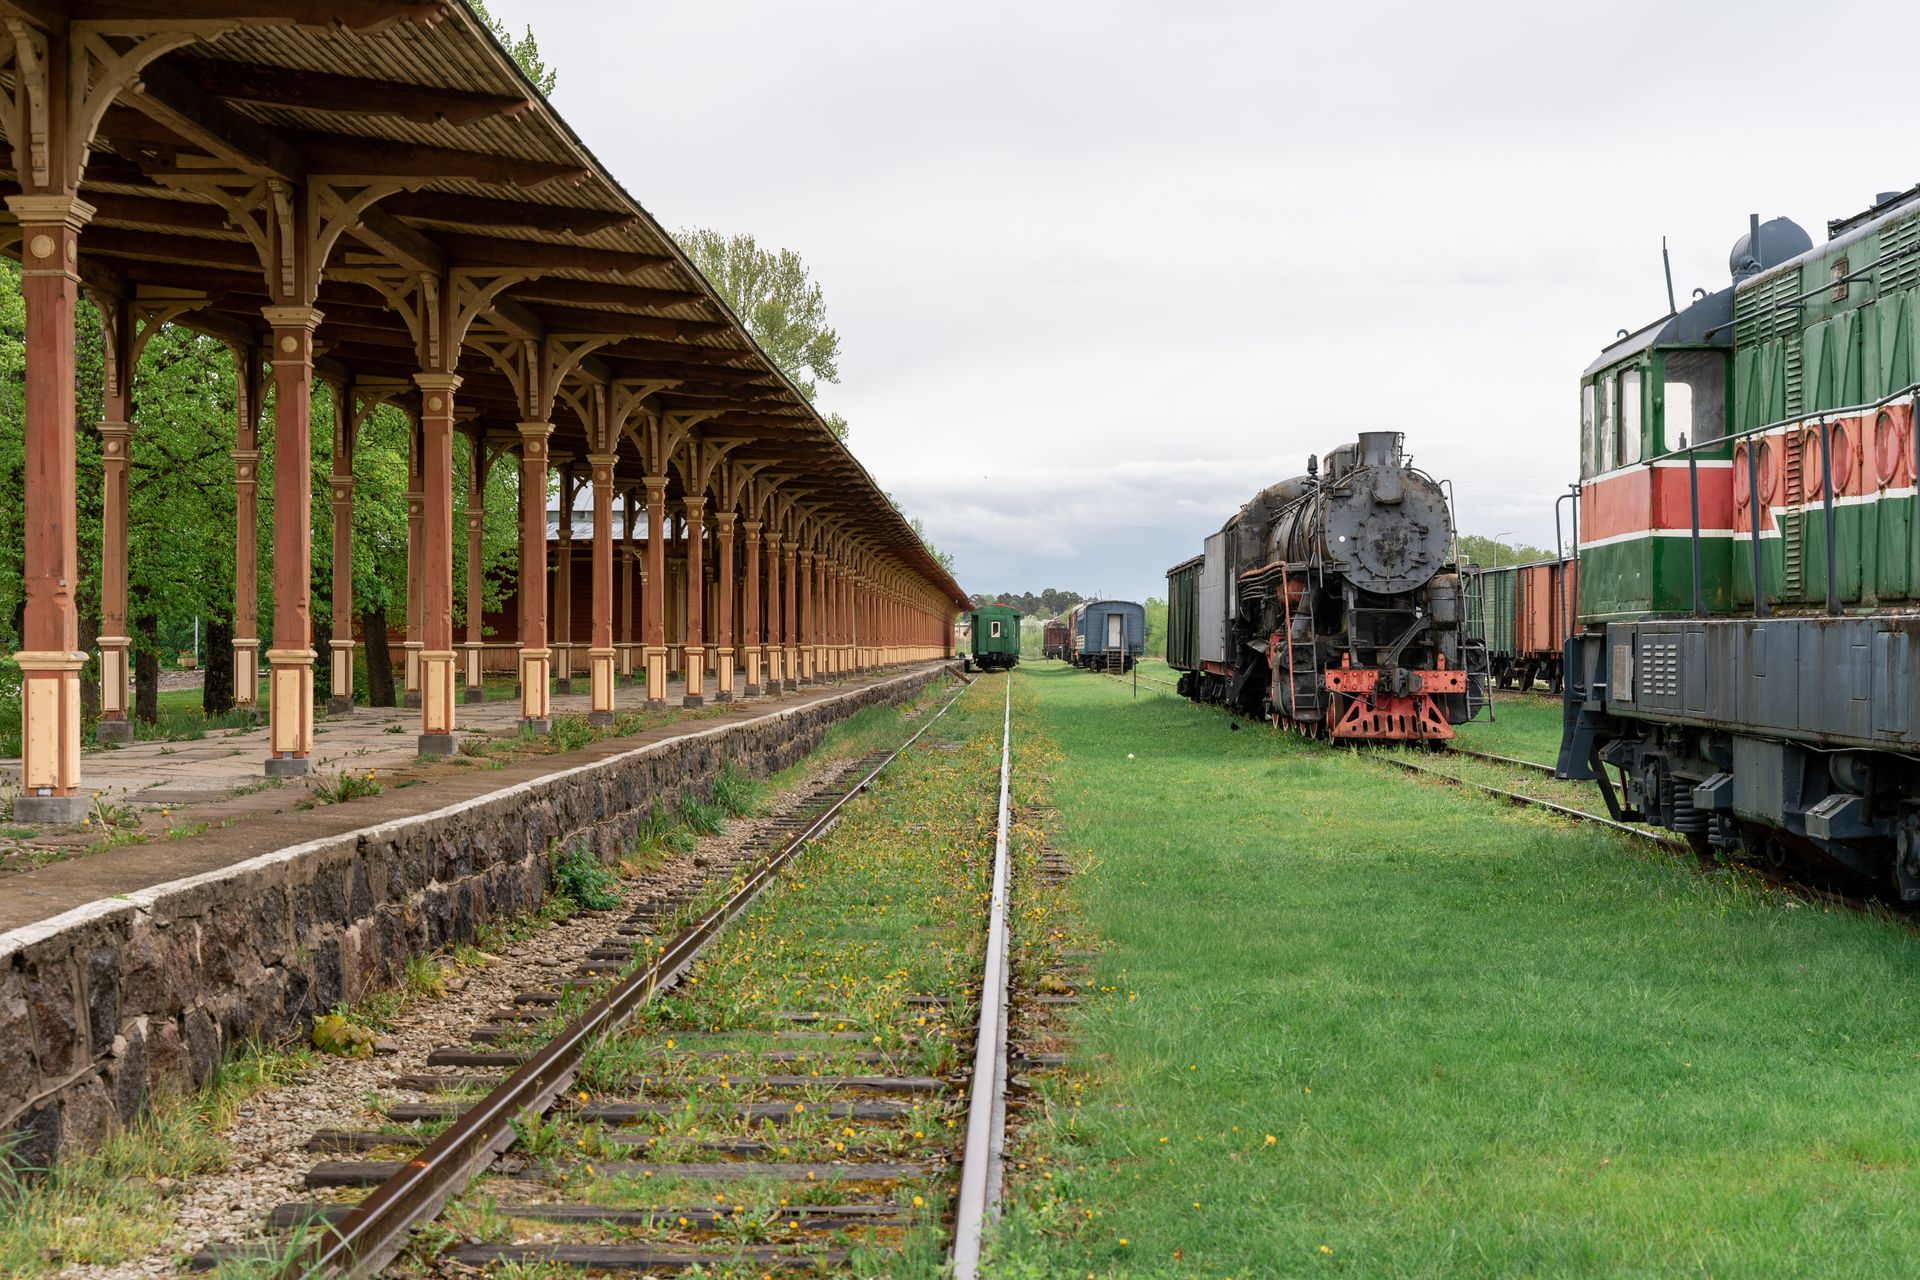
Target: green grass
[1365,1025]
[1525,726]
[111,1205]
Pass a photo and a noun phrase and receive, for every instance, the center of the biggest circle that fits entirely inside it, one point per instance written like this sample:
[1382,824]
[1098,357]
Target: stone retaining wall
[106,1006]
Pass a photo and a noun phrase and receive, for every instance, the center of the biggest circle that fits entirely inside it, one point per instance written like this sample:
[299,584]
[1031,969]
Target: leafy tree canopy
[1490,553]
[525,50]
[778,301]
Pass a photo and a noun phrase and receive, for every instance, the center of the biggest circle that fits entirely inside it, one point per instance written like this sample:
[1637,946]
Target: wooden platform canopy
[370,192]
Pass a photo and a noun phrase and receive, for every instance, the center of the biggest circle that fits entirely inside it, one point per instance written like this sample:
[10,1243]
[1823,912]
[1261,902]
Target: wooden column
[536,705]
[771,646]
[789,617]
[809,653]
[478,467]
[290,680]
[416,552]
[340,482]
[601,656]
[50,658]
[724,639]
[656,593]
[116,448]
[628,550]
[247,364]
[696,587]
[438,661]
[563,582]
[753,650]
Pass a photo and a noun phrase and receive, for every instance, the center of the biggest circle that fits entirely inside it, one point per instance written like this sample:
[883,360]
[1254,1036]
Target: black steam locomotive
[1331,604]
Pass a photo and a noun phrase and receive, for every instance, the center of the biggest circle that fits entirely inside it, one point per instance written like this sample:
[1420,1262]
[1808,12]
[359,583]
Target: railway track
[1777,877]
[653,1117]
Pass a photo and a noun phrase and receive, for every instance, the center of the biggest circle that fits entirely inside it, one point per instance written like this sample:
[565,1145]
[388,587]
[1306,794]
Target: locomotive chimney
[1379,448]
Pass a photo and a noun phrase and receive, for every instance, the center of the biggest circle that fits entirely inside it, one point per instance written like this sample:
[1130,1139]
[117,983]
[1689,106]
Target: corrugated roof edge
[474,27]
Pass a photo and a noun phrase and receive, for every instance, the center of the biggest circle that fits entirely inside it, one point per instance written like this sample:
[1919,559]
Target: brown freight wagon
[1547,596]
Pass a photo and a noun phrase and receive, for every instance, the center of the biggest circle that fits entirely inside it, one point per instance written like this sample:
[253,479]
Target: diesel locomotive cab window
[1696,397]
[1603,425]
[1629,417]
[1586,430]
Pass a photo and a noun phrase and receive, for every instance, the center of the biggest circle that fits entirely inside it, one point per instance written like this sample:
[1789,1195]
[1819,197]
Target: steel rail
[1511,762]
[979,1196]
[1535,802]
[364,1241]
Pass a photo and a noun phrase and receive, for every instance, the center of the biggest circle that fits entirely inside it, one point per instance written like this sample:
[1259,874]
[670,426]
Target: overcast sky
[1102,270]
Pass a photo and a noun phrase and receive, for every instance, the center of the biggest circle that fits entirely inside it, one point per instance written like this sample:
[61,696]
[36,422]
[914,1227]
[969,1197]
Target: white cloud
[1103,270]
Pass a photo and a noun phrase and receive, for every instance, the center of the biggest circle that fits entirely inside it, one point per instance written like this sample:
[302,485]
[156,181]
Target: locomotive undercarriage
[1340,663]
[1803,794]
[1850,819]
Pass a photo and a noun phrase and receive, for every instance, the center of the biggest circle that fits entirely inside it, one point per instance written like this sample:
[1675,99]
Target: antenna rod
[1666,262]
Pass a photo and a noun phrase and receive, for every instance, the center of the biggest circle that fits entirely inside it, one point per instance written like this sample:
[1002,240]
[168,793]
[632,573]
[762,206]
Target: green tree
[1490,553]
[525,50]
[1156,627]
[778,301]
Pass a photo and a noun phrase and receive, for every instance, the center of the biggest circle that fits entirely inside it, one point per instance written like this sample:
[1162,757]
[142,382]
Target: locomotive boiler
[1331,603]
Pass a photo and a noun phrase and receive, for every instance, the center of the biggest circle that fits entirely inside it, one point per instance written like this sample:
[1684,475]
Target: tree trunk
[373,627]
[216,659]
[146,668]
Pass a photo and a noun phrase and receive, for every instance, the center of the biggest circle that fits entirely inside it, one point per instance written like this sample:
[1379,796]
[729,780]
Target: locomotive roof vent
[1778,241]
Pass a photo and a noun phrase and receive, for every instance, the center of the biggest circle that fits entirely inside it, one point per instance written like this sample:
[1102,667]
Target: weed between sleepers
[882,907]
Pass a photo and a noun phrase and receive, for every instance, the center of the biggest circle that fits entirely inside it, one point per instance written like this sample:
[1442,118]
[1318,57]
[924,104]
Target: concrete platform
[219,781]
[135,968]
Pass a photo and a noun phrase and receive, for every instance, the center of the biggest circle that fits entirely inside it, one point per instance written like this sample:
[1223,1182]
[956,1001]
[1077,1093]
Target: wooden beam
[682,353]
[181,215]
[497,251]
[118,243]
[581,320]
[594,293]
[378,158]
[481,211]
[409,248]
[321,91]
[177,102]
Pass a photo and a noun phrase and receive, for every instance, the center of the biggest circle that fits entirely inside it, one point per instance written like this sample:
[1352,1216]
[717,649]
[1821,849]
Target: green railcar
[1498,600]
[1183,614]
[994,644]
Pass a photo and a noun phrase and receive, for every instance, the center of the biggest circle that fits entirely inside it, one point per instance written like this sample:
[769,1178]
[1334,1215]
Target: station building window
[1629,417]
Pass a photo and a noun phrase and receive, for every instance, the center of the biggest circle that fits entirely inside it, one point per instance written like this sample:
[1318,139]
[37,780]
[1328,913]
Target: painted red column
[247,364]
[50,658]
[601,655]
[290,679]
[724,639]
[752,650]
[416,559]
[563,581]
[696,587]
[789,614]
[340,482]
[775,658]
[536,704]
[628,550]
[476,641]
[116,447]
[438,661]
[656,593]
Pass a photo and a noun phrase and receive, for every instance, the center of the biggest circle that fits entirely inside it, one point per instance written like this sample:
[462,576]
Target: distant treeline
[1050,603]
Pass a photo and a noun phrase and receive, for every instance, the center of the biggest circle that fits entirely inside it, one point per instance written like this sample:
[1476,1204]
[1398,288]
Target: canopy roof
[478,174]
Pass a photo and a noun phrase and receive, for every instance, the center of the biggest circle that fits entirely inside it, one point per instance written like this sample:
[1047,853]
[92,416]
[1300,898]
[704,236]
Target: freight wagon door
[1212,629]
